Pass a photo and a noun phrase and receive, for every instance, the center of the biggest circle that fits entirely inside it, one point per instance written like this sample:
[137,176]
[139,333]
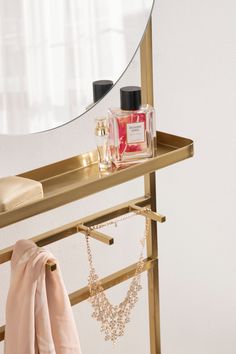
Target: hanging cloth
[39,318]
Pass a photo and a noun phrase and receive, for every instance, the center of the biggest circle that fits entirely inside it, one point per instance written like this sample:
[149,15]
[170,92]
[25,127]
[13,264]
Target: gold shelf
[78,177]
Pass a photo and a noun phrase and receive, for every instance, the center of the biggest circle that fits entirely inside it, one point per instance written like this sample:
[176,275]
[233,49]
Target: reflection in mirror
[100,88]
[51,51]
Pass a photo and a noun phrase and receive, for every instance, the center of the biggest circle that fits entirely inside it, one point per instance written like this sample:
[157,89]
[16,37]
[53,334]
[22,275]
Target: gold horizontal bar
[6,254]
[71,229]
[149,213]
[96,234]
[107,283]
[112,280]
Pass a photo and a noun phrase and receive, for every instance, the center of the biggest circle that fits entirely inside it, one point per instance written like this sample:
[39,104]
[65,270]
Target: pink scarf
[39,317]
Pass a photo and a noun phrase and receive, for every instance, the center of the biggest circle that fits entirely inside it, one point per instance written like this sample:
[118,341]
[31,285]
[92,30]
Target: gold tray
[78,177]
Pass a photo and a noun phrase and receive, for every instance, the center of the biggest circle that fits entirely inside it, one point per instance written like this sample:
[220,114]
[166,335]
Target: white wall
[195,79]
[195,82]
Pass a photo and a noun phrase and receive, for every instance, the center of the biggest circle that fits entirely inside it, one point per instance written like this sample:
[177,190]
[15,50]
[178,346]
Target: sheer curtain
[52,50]
[38,63]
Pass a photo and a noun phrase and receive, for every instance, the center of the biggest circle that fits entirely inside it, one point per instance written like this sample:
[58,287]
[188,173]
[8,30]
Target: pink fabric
[39,317]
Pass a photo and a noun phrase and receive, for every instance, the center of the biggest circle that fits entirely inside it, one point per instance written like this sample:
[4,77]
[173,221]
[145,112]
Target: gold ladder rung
[107,282]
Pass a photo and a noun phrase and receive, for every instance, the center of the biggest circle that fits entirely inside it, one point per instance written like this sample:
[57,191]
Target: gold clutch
[18,191]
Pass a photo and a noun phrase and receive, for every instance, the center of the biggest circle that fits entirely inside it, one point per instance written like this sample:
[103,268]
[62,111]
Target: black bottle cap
[130,98]
[100,88]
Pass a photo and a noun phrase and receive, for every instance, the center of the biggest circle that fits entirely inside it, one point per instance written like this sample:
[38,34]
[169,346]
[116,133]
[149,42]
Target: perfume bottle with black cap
[132,128]
[100,89]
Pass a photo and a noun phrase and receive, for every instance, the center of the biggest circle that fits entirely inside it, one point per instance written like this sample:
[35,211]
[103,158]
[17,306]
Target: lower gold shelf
[78,177]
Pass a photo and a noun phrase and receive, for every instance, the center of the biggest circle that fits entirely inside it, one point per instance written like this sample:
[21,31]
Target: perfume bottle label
[135,132]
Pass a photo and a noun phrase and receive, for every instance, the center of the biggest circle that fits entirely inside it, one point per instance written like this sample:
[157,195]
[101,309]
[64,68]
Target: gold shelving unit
[78,177]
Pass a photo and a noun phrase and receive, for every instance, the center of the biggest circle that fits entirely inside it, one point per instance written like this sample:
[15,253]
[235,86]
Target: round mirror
[51,52]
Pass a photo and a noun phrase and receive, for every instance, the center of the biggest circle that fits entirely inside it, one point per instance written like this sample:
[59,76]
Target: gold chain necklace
[114,318]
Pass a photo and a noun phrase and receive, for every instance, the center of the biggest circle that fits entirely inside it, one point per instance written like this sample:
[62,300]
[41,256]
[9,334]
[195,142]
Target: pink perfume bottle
[131,128]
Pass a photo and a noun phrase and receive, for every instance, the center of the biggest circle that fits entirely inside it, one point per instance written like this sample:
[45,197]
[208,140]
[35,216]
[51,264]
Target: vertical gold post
[150,189]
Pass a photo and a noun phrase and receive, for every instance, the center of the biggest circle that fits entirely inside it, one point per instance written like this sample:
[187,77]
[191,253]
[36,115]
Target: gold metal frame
[107,283]
[84,226]
[150,189]
[78,177]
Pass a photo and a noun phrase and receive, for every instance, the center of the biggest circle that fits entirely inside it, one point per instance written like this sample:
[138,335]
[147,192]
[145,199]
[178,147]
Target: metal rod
[95,234]
[111,280]
[150,189]
[149,213]
[107,283]
[6,254]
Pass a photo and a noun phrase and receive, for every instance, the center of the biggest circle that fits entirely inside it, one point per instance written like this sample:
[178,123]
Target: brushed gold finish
[72,228]
[107,282]
[147,66]
[95,234]
[149,213]
[78,177]
[150,189]
[112,280]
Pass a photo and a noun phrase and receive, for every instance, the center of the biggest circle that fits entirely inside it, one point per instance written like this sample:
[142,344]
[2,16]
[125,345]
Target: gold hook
[148,213]
[51,265]
[95,234]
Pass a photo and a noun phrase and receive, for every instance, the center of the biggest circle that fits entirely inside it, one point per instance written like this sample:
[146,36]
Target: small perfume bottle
[131,128]
[102,139]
